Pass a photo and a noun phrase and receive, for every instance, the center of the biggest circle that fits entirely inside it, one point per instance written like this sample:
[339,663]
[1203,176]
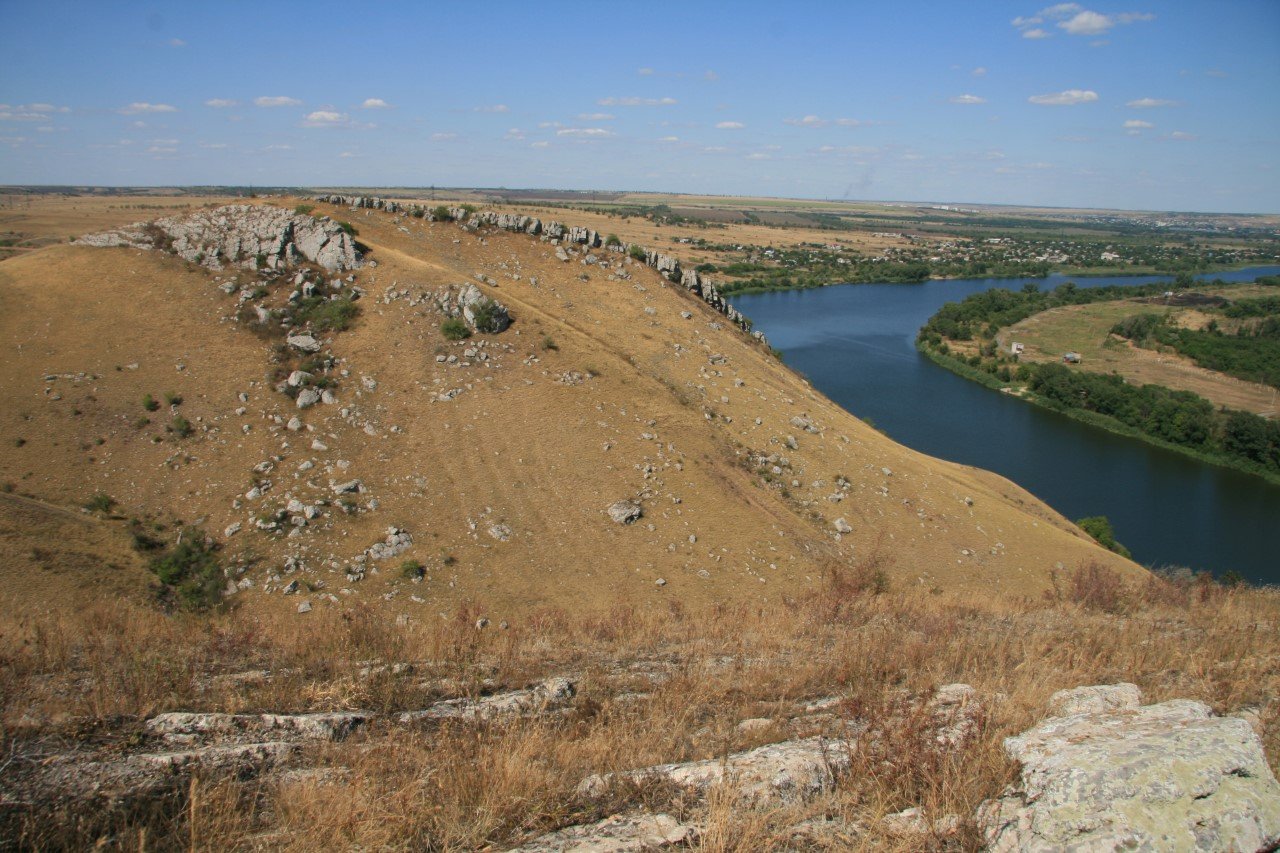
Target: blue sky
[1149,105]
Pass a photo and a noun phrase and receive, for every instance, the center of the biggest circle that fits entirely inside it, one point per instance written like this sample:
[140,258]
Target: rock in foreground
[1119,775]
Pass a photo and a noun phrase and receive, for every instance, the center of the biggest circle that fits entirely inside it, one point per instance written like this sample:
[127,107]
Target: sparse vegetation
[1099,527]
[190,573]
[636,252]
[180,427]
[304,209]
[173,399]
[326,315]
[150,403]
[548,343]
[484,316]
[455,329]
[100,503]
[412,570]
[349,228]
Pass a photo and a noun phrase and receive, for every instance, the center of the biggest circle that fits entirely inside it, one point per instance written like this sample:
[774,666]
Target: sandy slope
[652,418]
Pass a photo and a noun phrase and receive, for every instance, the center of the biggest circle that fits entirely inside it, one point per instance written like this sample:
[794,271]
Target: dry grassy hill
[602,390]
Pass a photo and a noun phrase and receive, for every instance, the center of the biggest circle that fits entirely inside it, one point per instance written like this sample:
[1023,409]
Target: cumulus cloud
[221,103]
[596,117]
[636,102]
[729,125]
[1150,103]
[348,154]
[375,104]
[1137,124]
[492,108]
[143,107]
[442,136]
[1075,20]
[514,133]
[542,143]
[968,99]
[584,132]
[276,101]
[1182,135]
[1067,98]
[325,118]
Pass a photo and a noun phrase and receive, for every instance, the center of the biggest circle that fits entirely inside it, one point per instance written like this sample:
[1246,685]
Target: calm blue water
[856,343]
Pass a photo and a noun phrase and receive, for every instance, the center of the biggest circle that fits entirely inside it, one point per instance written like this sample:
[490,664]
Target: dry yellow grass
[89,677]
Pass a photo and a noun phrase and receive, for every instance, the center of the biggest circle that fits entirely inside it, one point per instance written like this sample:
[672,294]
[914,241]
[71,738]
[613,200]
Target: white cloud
[710,76]
[348,154]
[325,118]
[1075,20]
[549,124]
[592,117]
[278,148]
[758,155]
[1150,103]
[221,103]
[1137,124]
[276,101]
[645,72]
[214,146]
[375,104]
[1216,72]
[854,122]
[714,149]
[729,125]
[968,99]
[1182,135]
[586,132]
[669,139]
[177,43]
[1087,23]
[541,144]
[514,133]
[636,102]
[493,108]
[161,149]
[807,121]
[143,107]
[30,112]
[1065,99]
[980,71]
[441,136]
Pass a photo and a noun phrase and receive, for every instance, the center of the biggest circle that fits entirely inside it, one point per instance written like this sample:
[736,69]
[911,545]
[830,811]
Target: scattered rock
[625,512]
[550,695]
[616,834]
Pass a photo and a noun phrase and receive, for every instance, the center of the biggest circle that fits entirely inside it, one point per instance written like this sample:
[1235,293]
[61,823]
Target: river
[856,343]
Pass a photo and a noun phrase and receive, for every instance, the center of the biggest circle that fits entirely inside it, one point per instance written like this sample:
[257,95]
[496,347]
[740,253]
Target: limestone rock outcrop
[1109,774]
[241,235]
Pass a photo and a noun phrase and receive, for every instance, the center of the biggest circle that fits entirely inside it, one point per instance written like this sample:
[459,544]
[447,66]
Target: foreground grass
[91,676]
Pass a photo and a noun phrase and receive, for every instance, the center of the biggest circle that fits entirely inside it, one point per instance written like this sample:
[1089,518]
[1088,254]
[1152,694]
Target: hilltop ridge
[489,461]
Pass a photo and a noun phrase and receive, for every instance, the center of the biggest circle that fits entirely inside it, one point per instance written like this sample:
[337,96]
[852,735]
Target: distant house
[1016,348]
[1071,357]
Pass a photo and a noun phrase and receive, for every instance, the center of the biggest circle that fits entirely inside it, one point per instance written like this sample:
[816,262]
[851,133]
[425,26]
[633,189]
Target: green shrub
[304,209]
[455,329]
[190,573]
[173,399]
[149,403]
[412,570]
[484,315]
[441,214]
[349,228]
[100,502]
[1099,527]
[259,260]
[326,315]
[180,426]
[612,240]
[636,252]
[549,343]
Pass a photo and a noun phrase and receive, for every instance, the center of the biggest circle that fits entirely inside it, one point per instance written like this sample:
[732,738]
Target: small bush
[326,315]
[173,399]
[190,573]
[636,252]
[150,403]
[455,329]
[412,570]
[548,343]
[1094,587]
[100,503]
[349,228]
[180,426]
[259,260]
[441,214]
[612,240]
[1099,527]
[304,209]
[485,315]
